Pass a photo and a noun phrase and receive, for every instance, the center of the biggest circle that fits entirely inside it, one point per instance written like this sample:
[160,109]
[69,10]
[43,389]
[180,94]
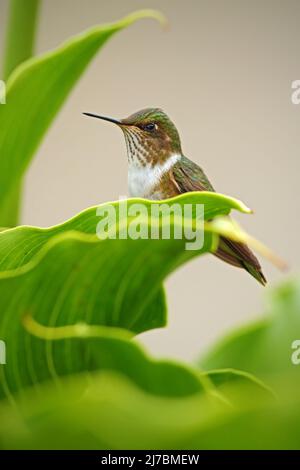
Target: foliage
[71,305]
[36,91]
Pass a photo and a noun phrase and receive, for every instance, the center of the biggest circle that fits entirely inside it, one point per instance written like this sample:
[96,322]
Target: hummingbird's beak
[104,118]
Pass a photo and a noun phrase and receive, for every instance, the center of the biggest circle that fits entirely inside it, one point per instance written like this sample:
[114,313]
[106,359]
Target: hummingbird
[158,169]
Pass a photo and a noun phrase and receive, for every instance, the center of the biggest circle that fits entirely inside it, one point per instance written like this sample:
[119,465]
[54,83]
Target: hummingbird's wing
[187,177]
[190,177]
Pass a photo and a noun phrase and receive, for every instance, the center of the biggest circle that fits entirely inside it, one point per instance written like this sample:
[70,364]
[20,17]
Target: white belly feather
[142,179]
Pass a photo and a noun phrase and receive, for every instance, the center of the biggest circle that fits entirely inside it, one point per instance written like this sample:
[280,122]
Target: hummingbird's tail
[239,255]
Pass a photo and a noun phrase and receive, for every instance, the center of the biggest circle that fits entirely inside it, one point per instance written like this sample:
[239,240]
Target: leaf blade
[36,90]
[65,275]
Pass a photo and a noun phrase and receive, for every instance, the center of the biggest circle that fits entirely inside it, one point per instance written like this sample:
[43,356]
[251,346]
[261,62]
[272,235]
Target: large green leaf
[36,91]
[114,413]
[263,348]
[65,276]
[19,245]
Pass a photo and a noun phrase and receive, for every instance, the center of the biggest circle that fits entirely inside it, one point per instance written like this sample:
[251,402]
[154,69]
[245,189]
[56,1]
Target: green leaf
[66,276]
[19,245]
[263,348]
[37,90]
[221,378]
[113,413]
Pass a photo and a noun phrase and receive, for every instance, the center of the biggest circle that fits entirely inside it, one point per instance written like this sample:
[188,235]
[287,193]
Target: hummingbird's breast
[150,181]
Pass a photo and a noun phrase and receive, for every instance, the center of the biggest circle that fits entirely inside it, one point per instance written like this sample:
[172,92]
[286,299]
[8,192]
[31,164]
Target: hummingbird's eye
[150,127]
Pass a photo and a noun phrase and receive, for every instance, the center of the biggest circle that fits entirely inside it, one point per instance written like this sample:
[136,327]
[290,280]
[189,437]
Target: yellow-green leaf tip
[148,13]
[245,208]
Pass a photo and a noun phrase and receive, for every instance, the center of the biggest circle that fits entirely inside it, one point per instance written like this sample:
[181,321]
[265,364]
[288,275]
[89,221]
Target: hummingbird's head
[151,137]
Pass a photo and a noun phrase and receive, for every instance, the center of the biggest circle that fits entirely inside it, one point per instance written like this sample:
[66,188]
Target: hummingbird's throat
[136,151]
[142,152]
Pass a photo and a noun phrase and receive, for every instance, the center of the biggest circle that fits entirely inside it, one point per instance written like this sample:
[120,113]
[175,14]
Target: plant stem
[20,36]
[20,39]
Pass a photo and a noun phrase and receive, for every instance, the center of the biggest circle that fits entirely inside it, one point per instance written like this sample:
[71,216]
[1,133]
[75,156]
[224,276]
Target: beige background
[223,72]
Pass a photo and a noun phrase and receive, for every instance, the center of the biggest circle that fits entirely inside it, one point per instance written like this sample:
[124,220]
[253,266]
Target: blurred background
[223,72]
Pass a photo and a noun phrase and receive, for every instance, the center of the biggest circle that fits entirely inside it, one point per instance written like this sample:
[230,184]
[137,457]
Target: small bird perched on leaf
[159,170]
